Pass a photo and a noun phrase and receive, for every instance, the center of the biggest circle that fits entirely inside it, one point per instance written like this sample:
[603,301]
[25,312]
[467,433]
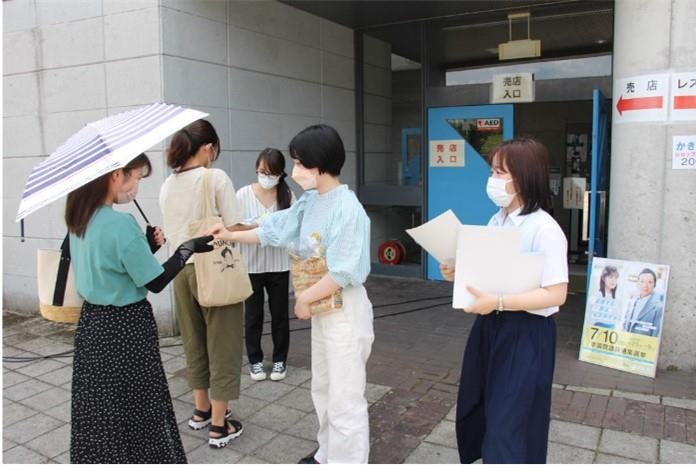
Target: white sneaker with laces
[256,371]
[279,371]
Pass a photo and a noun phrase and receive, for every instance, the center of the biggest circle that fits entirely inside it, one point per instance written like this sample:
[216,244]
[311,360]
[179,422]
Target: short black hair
[648,271]
[319,147]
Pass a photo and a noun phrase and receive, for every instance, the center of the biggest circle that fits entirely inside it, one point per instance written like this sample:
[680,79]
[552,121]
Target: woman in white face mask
[503,408]
[268,267]
[332,231]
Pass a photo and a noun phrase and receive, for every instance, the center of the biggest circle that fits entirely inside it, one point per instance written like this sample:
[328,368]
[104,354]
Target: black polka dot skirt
[121,408]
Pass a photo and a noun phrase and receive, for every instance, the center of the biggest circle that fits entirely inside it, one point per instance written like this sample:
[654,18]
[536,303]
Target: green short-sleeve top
[113,261]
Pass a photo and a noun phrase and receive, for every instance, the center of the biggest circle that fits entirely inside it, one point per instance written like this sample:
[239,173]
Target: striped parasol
[101,147]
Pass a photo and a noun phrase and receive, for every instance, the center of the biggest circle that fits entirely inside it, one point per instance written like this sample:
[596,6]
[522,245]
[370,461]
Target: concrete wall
[65,64]
[652,212]
[263,70]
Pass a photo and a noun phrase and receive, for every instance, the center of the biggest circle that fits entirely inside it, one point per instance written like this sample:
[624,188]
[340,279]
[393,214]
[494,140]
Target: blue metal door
[599,181]
[463,189]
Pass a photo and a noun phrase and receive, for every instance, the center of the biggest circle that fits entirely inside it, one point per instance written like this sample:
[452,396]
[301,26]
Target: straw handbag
[58,297]
[221,275]
[307,272]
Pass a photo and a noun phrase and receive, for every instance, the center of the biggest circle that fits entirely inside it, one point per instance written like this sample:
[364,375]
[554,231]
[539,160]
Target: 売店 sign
[655,97]
[447,153]
[513,88]
[641,98]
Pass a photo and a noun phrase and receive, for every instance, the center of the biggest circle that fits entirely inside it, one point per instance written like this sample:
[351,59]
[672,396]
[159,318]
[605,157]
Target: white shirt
[540,235]
[259,259]
[181,202]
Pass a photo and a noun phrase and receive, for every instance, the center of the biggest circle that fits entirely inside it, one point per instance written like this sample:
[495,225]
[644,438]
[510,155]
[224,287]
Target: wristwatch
[500,303]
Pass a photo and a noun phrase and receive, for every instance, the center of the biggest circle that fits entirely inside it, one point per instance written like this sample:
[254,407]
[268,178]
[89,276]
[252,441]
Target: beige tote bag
[58,297]
[221,274]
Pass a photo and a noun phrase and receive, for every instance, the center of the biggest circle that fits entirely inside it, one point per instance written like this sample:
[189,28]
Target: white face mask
[128,196]
[304,178]
[497,193]
[268,181]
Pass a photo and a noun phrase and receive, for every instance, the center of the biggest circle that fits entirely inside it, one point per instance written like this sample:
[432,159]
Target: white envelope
[438,236]
[489,259]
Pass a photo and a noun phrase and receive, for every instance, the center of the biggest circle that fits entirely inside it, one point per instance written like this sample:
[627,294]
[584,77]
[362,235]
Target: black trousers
[276,285]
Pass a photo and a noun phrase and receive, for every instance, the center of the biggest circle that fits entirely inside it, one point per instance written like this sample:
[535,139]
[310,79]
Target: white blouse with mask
[541,234]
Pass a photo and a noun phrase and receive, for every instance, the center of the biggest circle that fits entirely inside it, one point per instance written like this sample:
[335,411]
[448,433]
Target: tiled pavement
[278,417]
[599,415]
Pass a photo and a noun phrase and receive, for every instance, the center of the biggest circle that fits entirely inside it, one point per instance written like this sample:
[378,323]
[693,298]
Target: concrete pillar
[652,212]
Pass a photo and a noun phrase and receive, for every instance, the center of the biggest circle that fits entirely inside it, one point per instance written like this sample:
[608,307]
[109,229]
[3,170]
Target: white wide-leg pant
[341,344]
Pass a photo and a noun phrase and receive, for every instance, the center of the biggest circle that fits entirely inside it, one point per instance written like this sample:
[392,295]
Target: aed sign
[488,124]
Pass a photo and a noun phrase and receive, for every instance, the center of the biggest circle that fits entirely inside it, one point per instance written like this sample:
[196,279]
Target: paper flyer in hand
[439,237]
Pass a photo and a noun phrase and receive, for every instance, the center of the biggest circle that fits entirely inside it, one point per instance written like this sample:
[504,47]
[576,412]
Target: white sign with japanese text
[641,98]
[513,88]
[684,152]
[574,192]
[447,153]
[683,98]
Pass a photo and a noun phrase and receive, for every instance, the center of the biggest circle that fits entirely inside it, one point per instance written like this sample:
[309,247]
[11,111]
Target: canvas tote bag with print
[221,274]
[58,297]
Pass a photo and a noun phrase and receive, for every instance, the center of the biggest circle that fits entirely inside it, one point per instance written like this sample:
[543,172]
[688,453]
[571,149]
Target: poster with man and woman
[624,313]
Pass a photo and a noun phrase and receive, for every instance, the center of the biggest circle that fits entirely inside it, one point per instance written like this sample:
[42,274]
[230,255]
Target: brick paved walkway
[413,374]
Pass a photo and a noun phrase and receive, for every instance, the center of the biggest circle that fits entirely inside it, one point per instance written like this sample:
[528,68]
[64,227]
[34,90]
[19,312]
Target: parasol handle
[141,211]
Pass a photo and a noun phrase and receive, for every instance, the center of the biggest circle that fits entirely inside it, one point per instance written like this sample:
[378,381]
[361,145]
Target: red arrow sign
[635,104]
[682,102]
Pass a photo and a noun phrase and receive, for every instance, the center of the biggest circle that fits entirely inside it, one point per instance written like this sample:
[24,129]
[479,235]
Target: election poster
[624,314]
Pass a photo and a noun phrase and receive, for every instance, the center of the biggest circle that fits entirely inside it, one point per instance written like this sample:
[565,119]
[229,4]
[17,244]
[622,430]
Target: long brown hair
[187,141]
[275,162]
[84,201]
[527,160]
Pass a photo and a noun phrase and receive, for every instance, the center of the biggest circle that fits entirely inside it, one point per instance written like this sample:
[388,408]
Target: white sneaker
[279,371]
[256,371]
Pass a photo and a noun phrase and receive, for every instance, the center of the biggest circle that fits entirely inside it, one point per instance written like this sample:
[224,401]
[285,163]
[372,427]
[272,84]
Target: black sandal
[206,415]
[226,434]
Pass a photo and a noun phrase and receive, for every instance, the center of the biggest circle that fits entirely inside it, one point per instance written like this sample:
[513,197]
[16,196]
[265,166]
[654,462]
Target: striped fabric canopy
[101,147]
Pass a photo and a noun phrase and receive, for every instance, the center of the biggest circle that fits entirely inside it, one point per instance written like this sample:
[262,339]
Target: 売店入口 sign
[513,88]
[447,153]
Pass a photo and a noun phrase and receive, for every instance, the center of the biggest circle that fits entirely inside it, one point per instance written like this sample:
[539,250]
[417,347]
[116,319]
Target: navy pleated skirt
[504,403]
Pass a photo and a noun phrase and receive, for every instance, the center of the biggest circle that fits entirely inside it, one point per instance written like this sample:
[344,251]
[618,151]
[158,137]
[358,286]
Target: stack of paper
[488,258]
[439,237]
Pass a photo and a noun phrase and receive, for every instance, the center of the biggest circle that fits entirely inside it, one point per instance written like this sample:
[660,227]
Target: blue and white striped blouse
[260,260]
[339,218]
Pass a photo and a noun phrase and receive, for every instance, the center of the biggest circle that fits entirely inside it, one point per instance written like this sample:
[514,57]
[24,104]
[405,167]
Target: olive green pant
[212,339]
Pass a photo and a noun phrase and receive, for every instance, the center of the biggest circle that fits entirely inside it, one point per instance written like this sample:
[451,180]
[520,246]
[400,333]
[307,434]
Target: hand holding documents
[487,258]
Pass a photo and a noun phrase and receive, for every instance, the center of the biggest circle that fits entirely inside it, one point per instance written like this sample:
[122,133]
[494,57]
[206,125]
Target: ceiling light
[521,48]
